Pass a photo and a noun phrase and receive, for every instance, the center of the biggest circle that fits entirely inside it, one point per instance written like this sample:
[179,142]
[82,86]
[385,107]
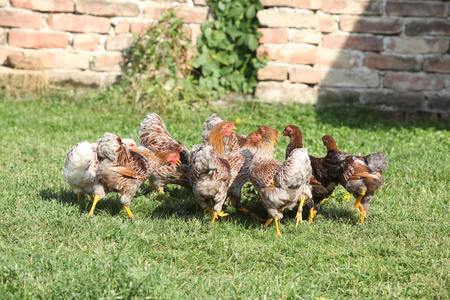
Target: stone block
[417,9]
[353,7]
[270,72]
[267,3]
[4,53]
[348,78]
[20,19]
[37,40]
[414,82]
[390,62]
[370,25]
[107,8]
[108,63]
[79,23]
[307,4]
[84,78]
[195,32]
[273,36]
[282,18]
[122,27]
[87,42]
[277,92]
[416,45]
[363,43]
[304,75]
[119,42]
[437,64]
[62,60]
[405,101]
[25,63]
[45,5]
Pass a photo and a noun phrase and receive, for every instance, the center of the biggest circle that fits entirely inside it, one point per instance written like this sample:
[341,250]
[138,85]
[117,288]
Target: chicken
[280,186]
[232,142]
[154,136]
[81,165]
[325,171]
[121,170]
[359,175]
[209,171]
[239,167]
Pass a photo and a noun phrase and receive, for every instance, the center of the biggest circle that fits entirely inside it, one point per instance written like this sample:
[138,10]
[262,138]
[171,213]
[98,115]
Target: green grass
[50,249]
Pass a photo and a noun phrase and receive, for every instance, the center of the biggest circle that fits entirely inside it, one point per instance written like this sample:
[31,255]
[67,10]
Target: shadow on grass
[111,203]
[368,118]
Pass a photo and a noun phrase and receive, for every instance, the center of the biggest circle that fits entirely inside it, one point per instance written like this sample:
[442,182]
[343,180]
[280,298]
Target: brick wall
[384,53]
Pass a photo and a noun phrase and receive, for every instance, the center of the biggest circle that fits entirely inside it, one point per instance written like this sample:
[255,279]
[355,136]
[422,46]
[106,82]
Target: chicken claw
[220,214]
[358,205]
[251,214]
[96,198]
[312,214]
[298,217]
[215,213]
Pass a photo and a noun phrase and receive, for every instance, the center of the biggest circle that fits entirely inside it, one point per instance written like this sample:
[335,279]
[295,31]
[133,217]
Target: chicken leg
[130,214]
[312,214]
[96,198]
[250,213]
[276,227]
[298,217]
[360,208]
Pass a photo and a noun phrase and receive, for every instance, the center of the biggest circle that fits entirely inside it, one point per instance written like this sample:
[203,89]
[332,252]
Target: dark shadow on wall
[355,91]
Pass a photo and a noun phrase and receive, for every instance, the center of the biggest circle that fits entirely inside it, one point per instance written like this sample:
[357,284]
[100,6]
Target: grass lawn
[50,249]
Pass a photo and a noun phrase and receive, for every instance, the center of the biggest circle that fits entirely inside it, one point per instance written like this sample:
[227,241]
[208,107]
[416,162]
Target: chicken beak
[283,134]
[276,140]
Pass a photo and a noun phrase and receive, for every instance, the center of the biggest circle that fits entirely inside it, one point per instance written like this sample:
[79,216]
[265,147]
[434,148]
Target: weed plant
[50,249]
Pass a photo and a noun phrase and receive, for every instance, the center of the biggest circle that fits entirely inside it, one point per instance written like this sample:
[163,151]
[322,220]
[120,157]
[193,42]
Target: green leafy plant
[227,47]
[157,72]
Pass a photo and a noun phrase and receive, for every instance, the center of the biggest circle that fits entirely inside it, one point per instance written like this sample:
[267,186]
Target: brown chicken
[232,143]
[280,186]
[325,171]
[209,171]
[359,175]
[121,170]
[240,162]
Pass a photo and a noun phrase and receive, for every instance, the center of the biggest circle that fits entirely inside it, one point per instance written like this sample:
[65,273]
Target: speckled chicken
[81,166]
[280,186]
[209,171]
[359,175]
[325,171]
[233,142]
[120,170]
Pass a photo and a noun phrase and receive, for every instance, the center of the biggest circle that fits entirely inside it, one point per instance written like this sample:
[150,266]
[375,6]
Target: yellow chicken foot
[267,223]
[277,228]
[221,214]
[161,191]
[312,214]
[299,217]
[251,214]
[361,219]
[214,217]
[130,214]
[91,212]
[358,205]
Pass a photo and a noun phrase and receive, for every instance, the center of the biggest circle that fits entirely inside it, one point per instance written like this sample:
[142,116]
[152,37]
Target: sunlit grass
[48,248]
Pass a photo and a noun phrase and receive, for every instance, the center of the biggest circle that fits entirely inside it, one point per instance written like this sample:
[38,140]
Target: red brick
[154,11]
[273,36]
[272,73]
[349,78]
[304,75]
[122,27]
[440,64]
[25,63]
[416,45]
[77,23]
[192,14]
[87,42]
[4,53]
[370,25]
[326,22]
[62,60]
[37,40]
[200,2]
[416,9]
[337,59]
[45,5]
[170,0]
[364,43]
[20,19]
[267,3]
[413,82]
[107,9]
[307,36]
[108,63]
[119,42]
[2,36]
[428,27]
[353,7]
[307,4]
[281,18]
[390,62]
[306,56]
[139,28]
